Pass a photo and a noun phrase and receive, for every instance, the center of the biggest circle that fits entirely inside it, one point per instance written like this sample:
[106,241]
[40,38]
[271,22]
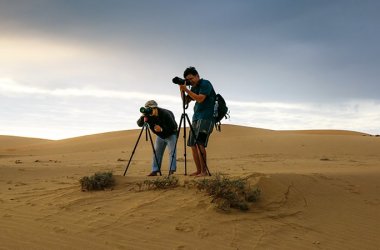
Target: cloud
[356,115]
[68,112]
[10,87]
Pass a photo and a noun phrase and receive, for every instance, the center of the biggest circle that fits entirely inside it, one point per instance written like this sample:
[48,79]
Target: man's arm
[188,99]
[196,97]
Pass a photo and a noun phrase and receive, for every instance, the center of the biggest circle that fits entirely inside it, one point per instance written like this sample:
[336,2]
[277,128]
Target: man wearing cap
[162,123]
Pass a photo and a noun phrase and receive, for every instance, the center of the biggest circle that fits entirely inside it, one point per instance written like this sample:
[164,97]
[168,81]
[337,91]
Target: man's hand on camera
[157,128]
[183,87]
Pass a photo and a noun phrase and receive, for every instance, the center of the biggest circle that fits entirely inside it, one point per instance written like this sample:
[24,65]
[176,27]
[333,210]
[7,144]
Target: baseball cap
[151,104]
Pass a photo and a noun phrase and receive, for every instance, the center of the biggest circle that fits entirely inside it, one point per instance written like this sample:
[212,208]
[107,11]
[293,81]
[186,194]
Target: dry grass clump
[98,181]
[159,183]
[229,193]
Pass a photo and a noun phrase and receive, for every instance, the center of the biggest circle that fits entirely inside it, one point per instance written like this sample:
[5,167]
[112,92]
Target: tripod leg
[197,146]
[134,149]
[154,152]
[175,147]
[184,141]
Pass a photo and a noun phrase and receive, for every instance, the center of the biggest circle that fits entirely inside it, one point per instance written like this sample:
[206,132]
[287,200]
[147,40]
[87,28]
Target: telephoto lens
[180,81]
[146,111]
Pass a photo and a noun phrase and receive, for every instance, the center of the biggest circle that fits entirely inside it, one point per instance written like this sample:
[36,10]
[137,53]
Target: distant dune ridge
[12,141]
[320,190]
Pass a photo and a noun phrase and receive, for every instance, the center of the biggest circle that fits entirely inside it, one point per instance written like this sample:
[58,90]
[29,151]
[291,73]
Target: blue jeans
[160,146]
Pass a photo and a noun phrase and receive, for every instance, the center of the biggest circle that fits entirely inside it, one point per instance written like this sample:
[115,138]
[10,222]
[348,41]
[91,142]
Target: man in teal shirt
[202,92]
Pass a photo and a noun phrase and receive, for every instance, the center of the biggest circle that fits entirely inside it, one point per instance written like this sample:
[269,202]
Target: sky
[77,67]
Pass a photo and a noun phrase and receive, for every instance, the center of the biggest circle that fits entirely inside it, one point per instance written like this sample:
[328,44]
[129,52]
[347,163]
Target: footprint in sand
[184,227]
[375,202]
[18,184]
[353,189]
[203,233]
[59,230]
[30,204]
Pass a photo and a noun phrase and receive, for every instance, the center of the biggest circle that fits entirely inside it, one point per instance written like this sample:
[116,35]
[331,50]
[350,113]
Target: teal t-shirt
[204,110]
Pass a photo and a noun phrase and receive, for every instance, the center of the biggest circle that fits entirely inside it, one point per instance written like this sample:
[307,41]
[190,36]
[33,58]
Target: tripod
[184,118]
[147,132]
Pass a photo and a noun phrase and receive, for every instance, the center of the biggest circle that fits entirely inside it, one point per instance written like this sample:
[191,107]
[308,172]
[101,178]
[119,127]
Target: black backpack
[220,111]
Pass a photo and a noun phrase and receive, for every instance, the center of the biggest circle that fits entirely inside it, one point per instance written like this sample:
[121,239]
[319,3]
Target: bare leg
[196,160]
[203,160]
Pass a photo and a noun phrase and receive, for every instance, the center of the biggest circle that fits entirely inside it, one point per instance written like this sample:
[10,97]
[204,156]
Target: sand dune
[319,191]
[15,141]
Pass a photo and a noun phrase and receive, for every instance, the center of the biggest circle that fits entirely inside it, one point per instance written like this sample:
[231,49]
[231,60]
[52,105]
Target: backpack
[220,111]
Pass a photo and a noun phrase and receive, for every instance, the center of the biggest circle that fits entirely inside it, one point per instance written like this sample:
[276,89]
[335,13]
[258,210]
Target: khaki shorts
[202,131]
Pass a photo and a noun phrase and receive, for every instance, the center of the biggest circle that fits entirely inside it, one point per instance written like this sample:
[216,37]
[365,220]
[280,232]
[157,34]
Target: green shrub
[228,193]
[98,181]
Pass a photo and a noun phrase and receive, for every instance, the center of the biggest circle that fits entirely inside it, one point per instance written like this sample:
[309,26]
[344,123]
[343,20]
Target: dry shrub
[98,181]
[159,183]
[228,193]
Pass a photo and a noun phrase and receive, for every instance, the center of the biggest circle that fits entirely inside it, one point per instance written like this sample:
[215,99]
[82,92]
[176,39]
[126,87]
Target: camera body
[146,111]
[180,81]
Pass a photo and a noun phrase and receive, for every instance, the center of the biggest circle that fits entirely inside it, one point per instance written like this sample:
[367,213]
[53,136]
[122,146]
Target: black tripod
[147,132]
[184,118]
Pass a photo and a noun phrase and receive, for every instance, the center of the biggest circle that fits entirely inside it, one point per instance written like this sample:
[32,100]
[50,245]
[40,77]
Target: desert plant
[159,183]
[228,193]
[98,181]
[252,195]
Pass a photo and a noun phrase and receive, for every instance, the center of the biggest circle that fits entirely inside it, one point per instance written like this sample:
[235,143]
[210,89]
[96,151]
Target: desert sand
[320,190]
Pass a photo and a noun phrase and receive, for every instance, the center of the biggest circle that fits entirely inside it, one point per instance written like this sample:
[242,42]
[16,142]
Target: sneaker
[171,172]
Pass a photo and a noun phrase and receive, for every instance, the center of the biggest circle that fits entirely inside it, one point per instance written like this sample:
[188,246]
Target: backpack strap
[227,115]
[218,126]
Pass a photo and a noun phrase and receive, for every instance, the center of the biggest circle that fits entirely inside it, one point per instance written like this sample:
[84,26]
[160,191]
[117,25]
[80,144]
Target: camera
[180,81]
[146,111]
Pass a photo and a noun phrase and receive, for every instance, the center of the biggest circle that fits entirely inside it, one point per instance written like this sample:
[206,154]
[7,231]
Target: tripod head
[146,120]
